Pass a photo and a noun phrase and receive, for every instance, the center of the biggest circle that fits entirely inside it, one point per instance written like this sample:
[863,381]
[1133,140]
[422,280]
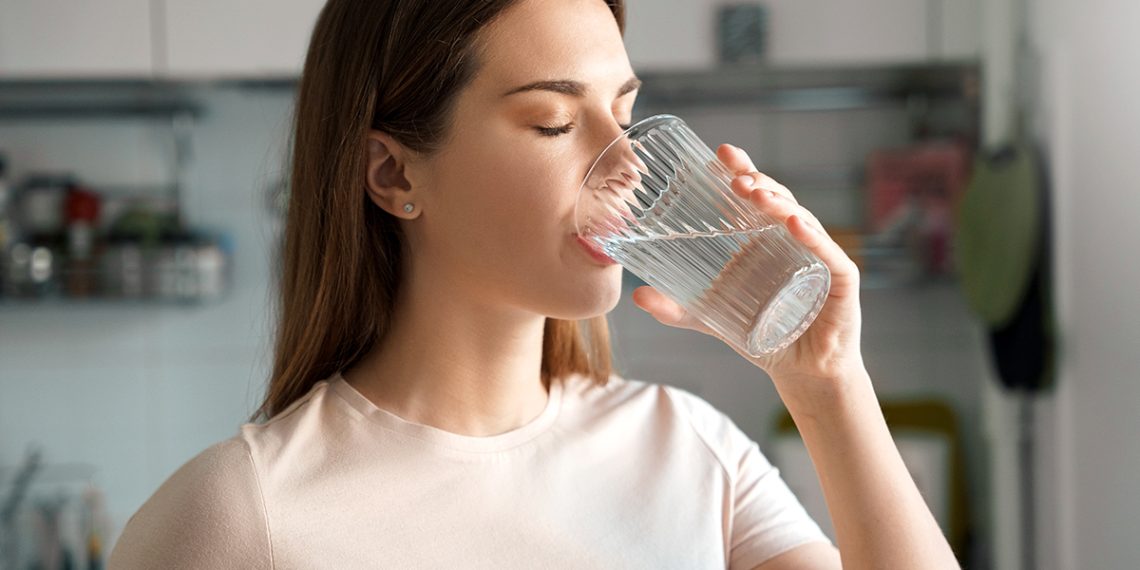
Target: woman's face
[498,199]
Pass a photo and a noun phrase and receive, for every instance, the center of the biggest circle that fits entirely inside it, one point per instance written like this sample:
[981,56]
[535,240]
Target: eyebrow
[570,87]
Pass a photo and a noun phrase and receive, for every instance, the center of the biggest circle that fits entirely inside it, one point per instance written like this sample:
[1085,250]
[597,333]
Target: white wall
[1092,126]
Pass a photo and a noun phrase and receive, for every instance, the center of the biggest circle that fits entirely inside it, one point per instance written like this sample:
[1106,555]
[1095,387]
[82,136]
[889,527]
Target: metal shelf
[809,88]
[95,99]
[792,88]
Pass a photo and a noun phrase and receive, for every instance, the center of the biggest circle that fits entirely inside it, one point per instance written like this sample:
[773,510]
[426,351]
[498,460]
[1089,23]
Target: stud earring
[409,207]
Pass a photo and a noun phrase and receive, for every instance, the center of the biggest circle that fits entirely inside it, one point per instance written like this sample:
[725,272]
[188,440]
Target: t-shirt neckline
[454,441]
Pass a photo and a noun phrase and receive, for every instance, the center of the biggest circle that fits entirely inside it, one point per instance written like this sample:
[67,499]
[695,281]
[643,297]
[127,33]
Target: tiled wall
[137,390]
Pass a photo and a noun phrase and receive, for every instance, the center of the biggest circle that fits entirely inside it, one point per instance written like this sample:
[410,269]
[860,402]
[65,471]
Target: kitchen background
[143,147]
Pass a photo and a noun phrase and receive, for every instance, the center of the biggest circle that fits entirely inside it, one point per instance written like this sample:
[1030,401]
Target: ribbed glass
[658,201]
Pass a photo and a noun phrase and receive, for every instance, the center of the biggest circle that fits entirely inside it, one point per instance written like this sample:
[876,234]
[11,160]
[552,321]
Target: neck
[459,364]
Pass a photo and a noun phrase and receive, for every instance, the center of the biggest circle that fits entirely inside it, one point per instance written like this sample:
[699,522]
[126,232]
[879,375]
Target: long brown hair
[396,66]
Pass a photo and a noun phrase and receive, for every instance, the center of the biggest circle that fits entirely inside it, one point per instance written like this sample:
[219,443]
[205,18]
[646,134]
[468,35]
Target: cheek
[527,190]
[509,200]
[511,223]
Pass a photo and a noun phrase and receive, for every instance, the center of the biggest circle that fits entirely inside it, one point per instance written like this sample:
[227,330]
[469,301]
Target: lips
[594,252]
[613,224]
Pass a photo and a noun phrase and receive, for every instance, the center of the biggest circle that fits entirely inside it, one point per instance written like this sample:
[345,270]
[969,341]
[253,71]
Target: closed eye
[556,131]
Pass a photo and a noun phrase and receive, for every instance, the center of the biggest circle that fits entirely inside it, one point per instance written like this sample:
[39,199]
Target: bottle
[81,214]
[94,524]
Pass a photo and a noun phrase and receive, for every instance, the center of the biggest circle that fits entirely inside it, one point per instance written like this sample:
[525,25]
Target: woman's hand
[828,352]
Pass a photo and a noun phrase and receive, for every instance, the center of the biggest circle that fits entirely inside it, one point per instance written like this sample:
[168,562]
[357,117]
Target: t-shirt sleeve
[766,518]
[209,514]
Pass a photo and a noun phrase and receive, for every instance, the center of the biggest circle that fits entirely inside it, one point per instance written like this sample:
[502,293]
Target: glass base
[790,312]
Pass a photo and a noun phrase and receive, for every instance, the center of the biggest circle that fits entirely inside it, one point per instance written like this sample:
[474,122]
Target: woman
[433,403]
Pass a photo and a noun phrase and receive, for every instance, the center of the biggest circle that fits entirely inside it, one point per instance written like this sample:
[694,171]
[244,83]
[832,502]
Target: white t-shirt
[631,475]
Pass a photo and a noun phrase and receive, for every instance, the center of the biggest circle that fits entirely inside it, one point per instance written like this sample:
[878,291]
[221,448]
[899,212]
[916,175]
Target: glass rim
[636,128]
[641,125]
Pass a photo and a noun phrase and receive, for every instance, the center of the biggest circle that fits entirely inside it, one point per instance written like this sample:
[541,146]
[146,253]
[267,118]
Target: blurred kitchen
[972,156]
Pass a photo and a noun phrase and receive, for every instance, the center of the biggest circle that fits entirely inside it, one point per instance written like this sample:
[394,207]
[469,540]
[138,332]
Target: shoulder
[707,420]
[209,513]
[632,400]
[720,434]
[309,422]
[623,392]
[663,405]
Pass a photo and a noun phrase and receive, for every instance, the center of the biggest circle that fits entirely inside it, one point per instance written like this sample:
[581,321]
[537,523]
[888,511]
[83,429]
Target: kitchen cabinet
[47,39]
[960,31]
[670,34]
[873,31]
[221,38]
[142,39]
[673,34]
[268,39]
[853,31]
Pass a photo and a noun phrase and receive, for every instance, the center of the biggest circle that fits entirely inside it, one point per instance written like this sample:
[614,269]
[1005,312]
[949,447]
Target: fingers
[747,184]
[747,177]
[779,206]
[735,159]
[666,310]
[844,272]
[778,202]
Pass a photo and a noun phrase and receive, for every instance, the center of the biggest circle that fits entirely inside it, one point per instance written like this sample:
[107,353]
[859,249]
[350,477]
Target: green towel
[998,234]
[1004,260]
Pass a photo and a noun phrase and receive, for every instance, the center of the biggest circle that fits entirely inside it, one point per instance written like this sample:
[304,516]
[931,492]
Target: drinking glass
[658,201]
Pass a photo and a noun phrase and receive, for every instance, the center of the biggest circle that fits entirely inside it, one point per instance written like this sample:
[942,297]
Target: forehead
[552,39]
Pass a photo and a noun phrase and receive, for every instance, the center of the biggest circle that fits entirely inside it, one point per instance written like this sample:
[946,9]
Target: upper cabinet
[670,34]
[851,31]
[65,38]
[682,33]
[223,38]
[179,39]
[140,39]
[873,31]
[961,29]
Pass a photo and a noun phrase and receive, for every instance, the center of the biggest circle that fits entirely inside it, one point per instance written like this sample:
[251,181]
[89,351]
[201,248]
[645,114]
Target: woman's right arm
[881,520]
[209,514]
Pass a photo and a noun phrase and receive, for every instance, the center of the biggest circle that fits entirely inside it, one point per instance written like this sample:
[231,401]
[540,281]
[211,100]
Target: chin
[582,299]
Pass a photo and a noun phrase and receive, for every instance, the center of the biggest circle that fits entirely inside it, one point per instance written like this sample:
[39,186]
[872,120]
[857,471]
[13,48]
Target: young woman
[442,393]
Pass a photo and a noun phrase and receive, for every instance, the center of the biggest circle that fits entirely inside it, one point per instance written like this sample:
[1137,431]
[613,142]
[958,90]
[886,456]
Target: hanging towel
[1004,263]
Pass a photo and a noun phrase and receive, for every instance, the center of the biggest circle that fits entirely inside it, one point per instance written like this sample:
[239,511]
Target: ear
[385,179]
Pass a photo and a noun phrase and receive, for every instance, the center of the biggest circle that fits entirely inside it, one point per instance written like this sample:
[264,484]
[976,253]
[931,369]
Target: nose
[609,188]
[617,167]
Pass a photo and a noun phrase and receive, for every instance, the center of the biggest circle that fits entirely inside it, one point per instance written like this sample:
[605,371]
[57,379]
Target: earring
[409,207]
